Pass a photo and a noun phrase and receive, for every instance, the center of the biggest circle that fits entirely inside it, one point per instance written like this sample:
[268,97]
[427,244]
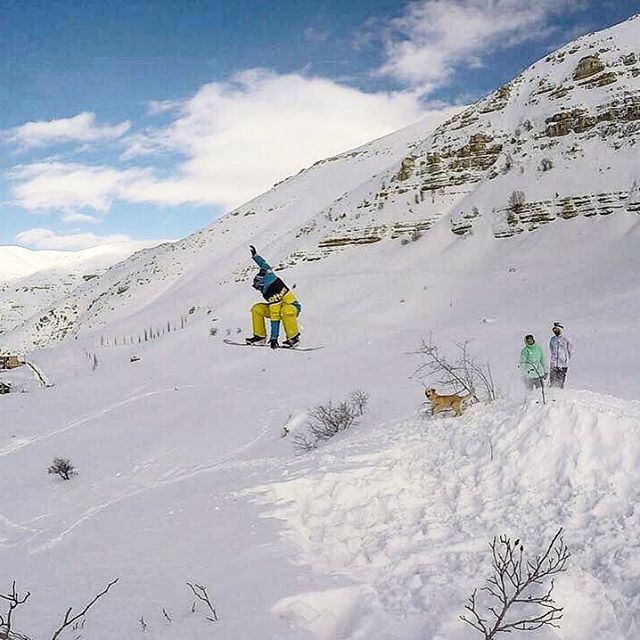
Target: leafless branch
[326,420]
[516,585]
[69,619]
[201,594]
[463,371]
[14,600]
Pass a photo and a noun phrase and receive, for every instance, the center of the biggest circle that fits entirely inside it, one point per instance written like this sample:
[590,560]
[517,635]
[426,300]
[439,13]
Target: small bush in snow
[62,467]
[213,331]
[414,236]
[326,420]
[464,371]
[13,600]
[359,400]
[71,620]
[201,594]
[546,164]
[517,594]
[517,200]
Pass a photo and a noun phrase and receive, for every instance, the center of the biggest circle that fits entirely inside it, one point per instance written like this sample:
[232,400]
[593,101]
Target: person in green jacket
[532,363]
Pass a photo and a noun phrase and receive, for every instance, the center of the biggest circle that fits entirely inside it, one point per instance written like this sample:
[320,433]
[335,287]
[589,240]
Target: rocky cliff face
[565,132]
[558,141]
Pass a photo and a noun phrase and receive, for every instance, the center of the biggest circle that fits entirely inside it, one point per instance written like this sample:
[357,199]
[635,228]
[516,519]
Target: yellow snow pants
[283,309]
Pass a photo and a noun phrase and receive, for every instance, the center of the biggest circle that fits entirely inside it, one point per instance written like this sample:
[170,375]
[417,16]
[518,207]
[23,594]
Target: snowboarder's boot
[256,340]
[292,342]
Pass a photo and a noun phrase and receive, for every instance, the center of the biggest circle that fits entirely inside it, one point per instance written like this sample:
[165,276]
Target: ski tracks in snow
[177,475]
[14,446]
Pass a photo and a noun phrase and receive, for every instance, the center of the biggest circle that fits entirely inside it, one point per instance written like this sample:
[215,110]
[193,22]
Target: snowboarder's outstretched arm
[259,260]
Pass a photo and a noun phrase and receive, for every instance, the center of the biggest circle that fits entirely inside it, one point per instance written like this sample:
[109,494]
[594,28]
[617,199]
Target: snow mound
[404,516]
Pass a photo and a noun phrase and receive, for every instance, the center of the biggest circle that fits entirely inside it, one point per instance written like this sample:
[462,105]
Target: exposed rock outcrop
[587,67]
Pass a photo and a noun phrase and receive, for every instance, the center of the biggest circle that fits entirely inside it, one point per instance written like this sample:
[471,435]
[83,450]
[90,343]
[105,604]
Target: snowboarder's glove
[253,250]
[273,344]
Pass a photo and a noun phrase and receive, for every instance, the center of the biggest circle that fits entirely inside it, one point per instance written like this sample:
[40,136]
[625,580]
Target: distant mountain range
[31,280]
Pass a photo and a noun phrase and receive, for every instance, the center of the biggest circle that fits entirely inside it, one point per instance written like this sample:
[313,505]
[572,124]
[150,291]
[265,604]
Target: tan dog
[442,403]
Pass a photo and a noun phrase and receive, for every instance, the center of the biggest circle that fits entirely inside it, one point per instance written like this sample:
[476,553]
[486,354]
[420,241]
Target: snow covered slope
[562,136]
[33,280]
[382,534]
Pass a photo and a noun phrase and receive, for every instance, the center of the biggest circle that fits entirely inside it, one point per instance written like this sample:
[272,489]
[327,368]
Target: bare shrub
[326,420]
[62,467]
[518,597]
[305,442]
[201,594]
[70,620]
[359,401]
[13,600]
[546,164]
[464,371]
[517,200]
[213,331]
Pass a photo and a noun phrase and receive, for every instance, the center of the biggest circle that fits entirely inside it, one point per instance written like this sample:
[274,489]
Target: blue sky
[134,119]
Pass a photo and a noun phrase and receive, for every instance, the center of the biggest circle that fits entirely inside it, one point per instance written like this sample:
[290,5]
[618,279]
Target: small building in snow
[10,362]
[5,387]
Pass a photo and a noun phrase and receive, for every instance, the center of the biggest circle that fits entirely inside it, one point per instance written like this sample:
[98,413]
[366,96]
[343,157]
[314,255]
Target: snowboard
[280,348]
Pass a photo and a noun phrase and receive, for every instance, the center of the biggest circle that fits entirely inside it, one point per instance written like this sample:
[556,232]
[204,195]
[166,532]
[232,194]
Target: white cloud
[40,238]
[80,128]
[425,45]
[230,141]
[159,107]
[241,136]
[68,187]
[75,218]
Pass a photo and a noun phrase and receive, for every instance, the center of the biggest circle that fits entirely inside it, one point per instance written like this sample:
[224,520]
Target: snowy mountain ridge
[19,262]
[537,137]
[34,280]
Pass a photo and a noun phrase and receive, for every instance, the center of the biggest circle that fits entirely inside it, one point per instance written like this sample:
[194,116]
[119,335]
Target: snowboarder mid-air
[280,305]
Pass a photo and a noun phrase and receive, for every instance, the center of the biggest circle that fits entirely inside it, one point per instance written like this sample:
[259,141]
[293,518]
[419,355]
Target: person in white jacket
[560,347]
